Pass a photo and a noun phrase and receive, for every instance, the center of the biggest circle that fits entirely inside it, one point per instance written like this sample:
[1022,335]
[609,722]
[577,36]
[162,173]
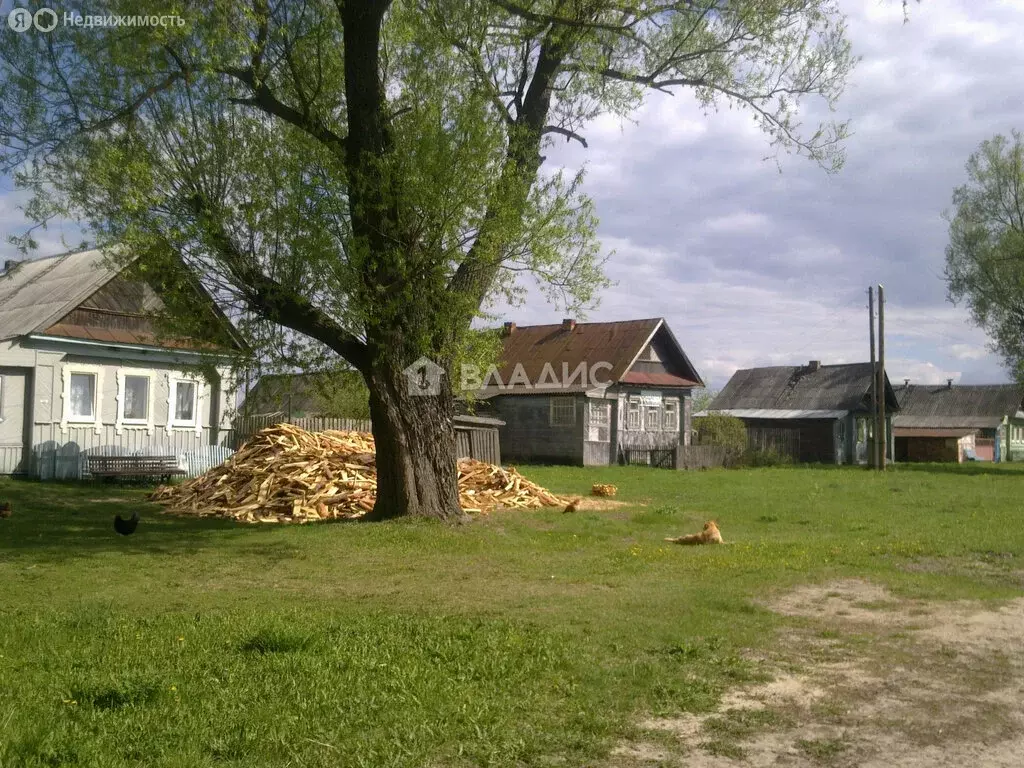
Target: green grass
[525,638]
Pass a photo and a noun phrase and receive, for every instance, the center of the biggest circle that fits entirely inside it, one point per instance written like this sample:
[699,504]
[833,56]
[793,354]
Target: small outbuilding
[984,421]
[812,413]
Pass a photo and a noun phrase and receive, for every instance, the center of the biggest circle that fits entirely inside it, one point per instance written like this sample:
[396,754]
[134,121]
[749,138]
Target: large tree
[985,255]
[368,176]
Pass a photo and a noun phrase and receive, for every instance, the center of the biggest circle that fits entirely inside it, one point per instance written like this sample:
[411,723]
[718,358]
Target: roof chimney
[9,265]
[510,328]
[813,365]
[568,324]
[949,383]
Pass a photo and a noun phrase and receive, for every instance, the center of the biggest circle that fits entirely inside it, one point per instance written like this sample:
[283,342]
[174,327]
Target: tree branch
[277,303]
[565,132]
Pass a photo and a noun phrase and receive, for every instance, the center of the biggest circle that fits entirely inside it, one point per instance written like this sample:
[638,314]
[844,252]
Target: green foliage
[768,457]
[225,153]
[703,398]
[722,430]
[342,394]
[985,254]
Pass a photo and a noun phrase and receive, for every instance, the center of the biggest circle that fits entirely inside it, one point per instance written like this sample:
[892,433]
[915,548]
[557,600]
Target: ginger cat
[710,535]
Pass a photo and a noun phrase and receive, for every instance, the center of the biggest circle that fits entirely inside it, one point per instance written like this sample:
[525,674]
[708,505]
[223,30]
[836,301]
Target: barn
[812,413]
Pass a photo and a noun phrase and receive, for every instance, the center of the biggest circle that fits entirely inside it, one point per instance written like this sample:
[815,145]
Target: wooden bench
[134,466]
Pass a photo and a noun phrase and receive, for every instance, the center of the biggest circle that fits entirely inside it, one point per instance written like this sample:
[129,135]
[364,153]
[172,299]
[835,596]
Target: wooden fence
[701,456]
[781,440]
[247,426]
[471,441]
[663,458]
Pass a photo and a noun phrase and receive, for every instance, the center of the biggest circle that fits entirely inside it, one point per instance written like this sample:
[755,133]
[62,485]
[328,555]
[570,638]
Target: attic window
[652,355]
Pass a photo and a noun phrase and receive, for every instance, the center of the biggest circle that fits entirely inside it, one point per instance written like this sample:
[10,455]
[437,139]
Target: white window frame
[633,408]
[196,425]
[125,423]
[66,419]
[599,416]
[557,410]
[652,424]
[665,412]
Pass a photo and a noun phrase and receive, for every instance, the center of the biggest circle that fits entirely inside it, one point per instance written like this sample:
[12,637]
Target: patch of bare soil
[869,680]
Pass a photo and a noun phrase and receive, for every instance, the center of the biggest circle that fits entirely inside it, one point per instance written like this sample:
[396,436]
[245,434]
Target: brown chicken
[710,535]
[573,506]
[5,509]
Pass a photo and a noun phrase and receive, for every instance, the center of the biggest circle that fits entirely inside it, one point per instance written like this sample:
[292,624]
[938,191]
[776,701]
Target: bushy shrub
[725,431]
[766,458]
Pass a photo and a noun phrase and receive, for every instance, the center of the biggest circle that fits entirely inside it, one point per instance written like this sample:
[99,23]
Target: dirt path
[865,680]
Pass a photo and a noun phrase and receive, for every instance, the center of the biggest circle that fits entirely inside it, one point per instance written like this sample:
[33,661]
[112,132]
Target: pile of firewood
[286,474]
[603,489]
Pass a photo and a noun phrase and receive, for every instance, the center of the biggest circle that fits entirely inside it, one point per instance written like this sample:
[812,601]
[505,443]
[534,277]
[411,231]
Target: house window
[185,403]
[600,422]
[670,416]
[652,418]
[136,399]
[83,397]
[563,411]
[633,414]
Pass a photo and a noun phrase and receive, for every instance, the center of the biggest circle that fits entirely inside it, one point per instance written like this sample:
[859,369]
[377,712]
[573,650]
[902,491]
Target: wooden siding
[815,438]
[482,444]
[529,436]
[120,304]
[15,416]
[60,455]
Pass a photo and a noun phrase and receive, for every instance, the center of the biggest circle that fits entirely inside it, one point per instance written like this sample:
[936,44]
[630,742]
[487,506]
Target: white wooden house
[83,371]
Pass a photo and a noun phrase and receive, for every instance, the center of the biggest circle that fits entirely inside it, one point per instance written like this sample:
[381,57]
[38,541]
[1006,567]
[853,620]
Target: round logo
[20,19]
[45,19]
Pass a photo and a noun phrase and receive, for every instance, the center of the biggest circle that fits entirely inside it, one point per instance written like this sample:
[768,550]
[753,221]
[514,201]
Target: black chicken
[126,527]
[5,509]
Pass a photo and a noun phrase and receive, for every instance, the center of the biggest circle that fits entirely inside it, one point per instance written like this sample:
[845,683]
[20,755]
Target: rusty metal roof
[657,379]
[538,351]
[123,336]
[937,432]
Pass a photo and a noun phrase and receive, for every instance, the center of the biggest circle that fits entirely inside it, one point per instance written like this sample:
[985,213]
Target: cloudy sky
[753,265]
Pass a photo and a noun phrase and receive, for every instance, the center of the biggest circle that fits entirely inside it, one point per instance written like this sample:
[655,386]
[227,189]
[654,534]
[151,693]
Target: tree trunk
[416,464]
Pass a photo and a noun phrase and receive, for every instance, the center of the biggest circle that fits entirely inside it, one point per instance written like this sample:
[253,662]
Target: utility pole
[881,374]
[873,443]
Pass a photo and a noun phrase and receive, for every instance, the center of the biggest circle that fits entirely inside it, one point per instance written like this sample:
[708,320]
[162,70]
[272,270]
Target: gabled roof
[822,392]
[37,293]
[42,296]
[953,406]
[531,348]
